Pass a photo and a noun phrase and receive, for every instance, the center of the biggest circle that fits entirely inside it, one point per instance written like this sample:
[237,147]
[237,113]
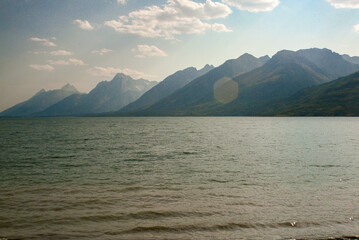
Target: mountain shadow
[336,98]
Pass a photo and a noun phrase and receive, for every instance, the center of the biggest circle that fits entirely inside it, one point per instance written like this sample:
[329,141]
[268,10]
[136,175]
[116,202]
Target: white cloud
[83,24]
[45,67]
[74,61]
[58,62]
[356,28]
[344,3]
[190,9]
[122,1]
[217,27]
[253,5]
[37,52]
[102,51]
[148,51]
[71,61]
[44,41]
[111,71]
[61,53]
[173,18]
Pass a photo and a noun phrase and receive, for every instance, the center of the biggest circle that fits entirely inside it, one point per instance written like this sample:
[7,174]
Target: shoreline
[354,237]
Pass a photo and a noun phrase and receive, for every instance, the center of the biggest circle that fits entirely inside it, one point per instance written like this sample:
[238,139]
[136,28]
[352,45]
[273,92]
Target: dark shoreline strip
[355,237]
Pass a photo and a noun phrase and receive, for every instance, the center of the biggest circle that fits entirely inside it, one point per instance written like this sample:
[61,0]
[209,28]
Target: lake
[179,178]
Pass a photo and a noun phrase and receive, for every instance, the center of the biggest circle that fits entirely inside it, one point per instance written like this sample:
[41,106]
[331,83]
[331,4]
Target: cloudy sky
[46,43]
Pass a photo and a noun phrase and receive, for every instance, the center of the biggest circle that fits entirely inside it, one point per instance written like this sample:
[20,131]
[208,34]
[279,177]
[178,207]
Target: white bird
[293,223]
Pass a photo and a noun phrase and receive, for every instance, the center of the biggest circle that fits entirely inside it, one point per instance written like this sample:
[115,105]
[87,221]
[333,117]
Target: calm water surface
[179,178]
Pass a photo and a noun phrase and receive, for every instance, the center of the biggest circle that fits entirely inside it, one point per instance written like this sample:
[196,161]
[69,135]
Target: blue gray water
[179,178]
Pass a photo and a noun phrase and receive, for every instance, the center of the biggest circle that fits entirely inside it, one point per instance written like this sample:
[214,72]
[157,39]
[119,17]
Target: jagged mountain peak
[40,92]
[351,59]
[245,60]
[68,87]
[205,69]
[189,69]
[288,56]
[285,54]
[319,53]
[246,55]
[121,76]
[330,62]
[207,66]
[265,57]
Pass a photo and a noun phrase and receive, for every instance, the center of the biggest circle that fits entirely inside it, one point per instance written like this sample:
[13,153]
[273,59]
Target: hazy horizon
[46,44]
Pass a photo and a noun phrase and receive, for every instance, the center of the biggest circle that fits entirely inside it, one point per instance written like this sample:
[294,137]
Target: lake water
[179,178]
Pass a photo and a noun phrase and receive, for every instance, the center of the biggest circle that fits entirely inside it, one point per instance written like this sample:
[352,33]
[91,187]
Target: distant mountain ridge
[332,63]
[284,74]
[169,85]
[285,84]
[350,59]
[39,102]
[105,97]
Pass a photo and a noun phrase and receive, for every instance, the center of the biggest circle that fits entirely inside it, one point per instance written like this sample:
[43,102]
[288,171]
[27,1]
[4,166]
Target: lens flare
[225,90]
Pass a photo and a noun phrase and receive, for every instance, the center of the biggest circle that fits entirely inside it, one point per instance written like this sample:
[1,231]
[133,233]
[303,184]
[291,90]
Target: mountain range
[333,64]
[290,83]
[40,101]
[185,97]
[169,85]
[188,100]
[105,97]
[67,101]
[283,75]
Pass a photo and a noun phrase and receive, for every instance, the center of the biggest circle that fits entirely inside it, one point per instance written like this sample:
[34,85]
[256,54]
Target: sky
[45,44]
